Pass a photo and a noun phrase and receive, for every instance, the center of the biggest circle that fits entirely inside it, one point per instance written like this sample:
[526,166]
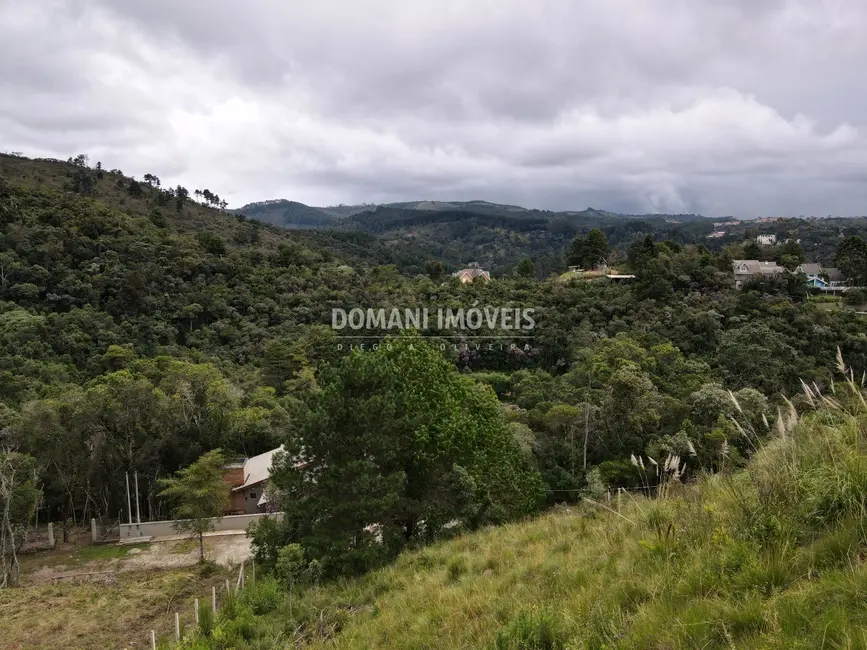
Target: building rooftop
[811,268]
[472,272]
[257,468]
[755,267]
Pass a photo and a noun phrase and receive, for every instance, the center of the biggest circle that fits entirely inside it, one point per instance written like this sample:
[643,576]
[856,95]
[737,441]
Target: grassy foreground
[770,557]
[113,611]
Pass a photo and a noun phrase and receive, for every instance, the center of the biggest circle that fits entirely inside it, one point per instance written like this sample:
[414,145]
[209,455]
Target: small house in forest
[824,279]
[248,481]
[745,270]
[471,273]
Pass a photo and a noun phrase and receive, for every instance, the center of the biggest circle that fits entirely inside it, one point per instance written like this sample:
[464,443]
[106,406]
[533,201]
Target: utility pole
[137,511]
[128,501]
[572,447]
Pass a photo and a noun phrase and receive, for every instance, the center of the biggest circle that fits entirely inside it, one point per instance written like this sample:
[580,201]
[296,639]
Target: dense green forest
[141,327]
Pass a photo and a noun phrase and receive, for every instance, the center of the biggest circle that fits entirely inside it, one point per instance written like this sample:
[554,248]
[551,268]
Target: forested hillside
[140,328]
[497,236]
[500,236]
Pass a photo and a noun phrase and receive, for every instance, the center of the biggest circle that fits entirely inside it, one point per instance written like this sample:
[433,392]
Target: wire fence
[204,614]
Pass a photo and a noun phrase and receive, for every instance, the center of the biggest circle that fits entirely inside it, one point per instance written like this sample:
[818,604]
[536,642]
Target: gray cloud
[726,107]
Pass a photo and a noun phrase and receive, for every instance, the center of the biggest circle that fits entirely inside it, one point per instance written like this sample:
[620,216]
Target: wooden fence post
[214,599]
[196,610]
[177,627]
[153,640]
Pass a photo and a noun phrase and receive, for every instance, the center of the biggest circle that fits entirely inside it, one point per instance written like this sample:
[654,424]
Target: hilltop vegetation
[76,186]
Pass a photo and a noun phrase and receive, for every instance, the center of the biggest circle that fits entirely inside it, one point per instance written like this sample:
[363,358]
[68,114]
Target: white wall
[166,528]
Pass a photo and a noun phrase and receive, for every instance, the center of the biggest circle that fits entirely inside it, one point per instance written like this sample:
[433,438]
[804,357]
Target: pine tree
[201,495]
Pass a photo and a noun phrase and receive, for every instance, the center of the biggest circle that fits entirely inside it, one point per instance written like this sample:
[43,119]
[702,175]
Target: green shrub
[618,473]
[228,608]
[832,492]
[267,537]
[241,628]
[855,297]
[500,382]
[290,564]
[770,574]
[736,557]
[263,596]
[838,548]
[745,619]
[207,568]
[158,218]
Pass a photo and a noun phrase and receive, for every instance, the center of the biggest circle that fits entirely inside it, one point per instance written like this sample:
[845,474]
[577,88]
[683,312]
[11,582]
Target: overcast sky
[744,107]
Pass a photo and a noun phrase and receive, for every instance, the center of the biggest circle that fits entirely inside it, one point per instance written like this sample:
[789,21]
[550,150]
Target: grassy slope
[772,557]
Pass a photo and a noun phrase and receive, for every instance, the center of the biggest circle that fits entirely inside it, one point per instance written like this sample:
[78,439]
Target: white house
[767,240]
[747,269]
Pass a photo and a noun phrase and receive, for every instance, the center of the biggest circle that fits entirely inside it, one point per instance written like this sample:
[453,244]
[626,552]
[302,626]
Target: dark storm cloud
[735,107]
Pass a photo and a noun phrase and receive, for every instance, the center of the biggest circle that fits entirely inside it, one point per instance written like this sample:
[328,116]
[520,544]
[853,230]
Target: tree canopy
[200,494]
[396,445]
[590,250]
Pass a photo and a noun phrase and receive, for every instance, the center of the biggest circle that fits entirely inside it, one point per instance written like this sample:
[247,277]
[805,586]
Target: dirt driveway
[99,562]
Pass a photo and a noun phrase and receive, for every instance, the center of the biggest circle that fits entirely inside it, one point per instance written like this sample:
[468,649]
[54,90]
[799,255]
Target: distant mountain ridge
[292,214]
[495,235]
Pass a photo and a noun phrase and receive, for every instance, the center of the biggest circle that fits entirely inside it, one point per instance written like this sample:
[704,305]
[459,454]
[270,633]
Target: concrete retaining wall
[166,528]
